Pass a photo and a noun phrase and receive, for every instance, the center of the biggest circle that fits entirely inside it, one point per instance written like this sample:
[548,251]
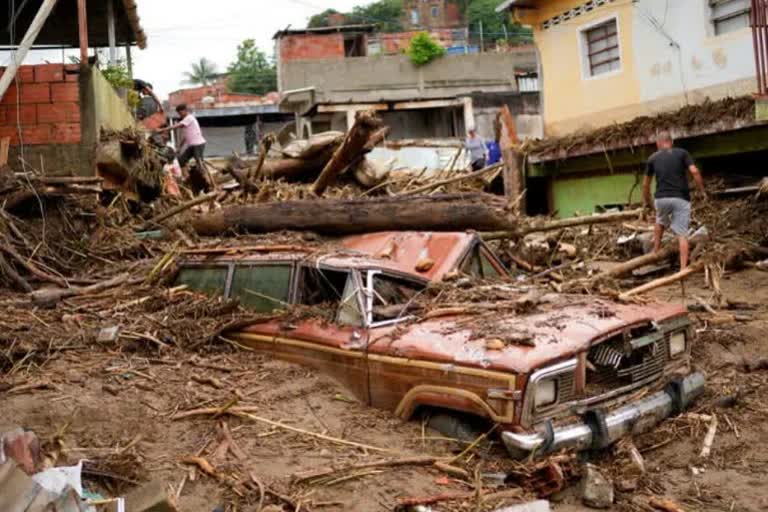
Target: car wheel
[456,425]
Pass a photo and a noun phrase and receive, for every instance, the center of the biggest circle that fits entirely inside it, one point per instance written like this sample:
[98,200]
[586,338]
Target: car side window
[489,271]
[208,280]
[478,265]
[262,288]
[334,289]
[392,297]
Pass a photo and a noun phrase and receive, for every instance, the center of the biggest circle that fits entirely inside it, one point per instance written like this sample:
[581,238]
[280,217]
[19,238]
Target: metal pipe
[111,32]
[754,22]
[82,22]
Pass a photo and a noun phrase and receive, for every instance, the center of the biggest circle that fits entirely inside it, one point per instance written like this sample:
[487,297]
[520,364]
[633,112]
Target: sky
[179,32]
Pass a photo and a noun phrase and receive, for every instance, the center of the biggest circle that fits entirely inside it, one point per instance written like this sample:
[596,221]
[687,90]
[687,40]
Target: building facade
[430,14]
[608,61]
[325,85]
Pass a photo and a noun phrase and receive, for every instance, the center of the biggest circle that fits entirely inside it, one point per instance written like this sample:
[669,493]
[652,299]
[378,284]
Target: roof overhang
[61,28]
[516,4]
[365,28]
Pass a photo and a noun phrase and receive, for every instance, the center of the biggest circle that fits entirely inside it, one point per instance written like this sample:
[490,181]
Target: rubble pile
[90,306]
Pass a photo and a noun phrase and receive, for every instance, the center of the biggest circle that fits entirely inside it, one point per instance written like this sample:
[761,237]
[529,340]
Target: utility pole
[482,49]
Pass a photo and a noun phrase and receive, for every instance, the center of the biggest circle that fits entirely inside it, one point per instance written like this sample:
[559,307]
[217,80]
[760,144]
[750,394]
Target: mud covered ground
[114,407]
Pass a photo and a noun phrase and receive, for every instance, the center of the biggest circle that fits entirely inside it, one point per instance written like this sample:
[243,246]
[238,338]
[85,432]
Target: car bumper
[600,428]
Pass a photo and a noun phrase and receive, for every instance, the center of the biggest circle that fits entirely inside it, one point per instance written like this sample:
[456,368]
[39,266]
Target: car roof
[396,251]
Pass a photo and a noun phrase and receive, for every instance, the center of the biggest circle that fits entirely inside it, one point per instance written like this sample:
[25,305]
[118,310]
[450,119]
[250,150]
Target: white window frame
[581,34]
[713,21]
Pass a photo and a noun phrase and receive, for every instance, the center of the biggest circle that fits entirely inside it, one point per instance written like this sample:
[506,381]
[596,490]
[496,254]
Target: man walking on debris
[478,153]
[670,166]
[194,143]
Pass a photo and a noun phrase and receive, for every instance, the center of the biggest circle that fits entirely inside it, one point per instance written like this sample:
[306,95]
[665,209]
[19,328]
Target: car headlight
[677,344]
[546,392]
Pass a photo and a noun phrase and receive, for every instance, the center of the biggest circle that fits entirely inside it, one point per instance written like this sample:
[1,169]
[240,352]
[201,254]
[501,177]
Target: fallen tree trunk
[350,150]
[431,186]
[50,296]
[451,212]
[662,281]
[539,227]
[290,169]
[205,198]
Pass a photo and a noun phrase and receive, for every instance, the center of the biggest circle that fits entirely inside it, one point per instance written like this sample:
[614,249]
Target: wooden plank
[351,106]
[5,144]
[412,105]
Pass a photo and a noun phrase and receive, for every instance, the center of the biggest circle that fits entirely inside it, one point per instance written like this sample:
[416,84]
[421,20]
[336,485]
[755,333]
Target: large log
[535,226]
[452,212]
[354,145]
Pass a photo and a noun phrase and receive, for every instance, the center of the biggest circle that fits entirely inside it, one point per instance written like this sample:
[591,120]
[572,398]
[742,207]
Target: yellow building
[608,61]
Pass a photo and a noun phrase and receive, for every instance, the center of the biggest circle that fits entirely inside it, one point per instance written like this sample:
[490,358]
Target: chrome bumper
[600,428]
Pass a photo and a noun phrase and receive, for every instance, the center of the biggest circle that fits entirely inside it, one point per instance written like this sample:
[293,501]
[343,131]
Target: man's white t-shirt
[193,136]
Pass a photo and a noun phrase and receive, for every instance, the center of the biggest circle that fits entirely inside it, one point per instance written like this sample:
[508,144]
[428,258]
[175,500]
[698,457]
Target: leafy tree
[321,19]
[386,14]
[423,49]
[203,72]
[252,72]
[494,23]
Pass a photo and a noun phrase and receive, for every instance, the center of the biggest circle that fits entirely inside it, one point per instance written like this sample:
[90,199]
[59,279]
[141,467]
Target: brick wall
[396,42]
[449,14]
[311,46]
[45,103]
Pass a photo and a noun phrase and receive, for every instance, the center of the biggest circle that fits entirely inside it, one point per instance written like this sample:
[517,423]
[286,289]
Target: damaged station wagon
[591,370]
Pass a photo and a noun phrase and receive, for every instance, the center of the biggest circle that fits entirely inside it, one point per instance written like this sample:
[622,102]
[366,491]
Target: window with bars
[729,15]
[601,45]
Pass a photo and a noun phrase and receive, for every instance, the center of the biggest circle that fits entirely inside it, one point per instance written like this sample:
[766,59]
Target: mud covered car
[588,372]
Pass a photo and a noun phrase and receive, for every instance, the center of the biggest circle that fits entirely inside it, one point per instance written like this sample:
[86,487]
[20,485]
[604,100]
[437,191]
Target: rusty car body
[592,371]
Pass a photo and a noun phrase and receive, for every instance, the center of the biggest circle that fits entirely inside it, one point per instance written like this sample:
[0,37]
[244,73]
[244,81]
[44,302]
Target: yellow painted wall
[569,97]
[111,111]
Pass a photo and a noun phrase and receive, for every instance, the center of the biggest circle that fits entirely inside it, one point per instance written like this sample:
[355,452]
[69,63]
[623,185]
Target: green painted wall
[581,195]
[111,110]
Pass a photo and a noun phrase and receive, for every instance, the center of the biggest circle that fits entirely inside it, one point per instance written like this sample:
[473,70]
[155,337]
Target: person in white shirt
[194,142]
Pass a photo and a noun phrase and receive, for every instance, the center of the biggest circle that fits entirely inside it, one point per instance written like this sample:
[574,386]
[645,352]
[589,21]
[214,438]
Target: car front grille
[612,367]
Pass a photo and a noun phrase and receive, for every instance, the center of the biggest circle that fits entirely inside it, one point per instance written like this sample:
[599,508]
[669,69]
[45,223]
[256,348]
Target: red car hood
[557,332]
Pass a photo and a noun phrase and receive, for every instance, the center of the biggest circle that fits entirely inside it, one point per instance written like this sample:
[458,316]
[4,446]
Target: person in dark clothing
[670,166]
[145,89]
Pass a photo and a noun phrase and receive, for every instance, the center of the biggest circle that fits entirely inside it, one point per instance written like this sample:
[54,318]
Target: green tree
[321,19]
[494,23]
[423,49]
[386,14]
[203,72]
[252,72]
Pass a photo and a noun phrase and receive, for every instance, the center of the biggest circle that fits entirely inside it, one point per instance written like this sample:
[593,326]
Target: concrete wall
[669,57]
[395,78]
[110,111]
[525,108]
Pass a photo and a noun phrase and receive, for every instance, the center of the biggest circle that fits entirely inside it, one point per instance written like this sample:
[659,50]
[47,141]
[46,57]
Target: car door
[325,331]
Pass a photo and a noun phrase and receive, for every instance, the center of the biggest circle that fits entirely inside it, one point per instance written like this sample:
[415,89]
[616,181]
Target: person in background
[194,143]
[478,153]
[145,90]
[494,152]
[670,166]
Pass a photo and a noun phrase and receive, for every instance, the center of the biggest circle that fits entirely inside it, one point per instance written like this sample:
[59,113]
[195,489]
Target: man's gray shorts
[675,213]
